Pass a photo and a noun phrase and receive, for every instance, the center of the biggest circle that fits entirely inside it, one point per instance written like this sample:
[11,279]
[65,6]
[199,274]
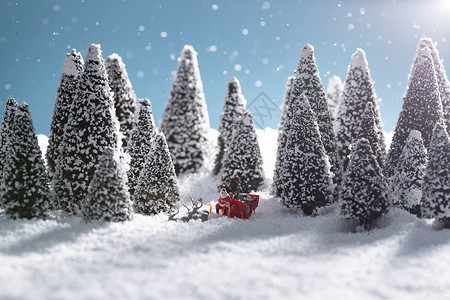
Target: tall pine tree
[25,183]
[364,188]
[157,190]
[124,96]
[185,120]
[141,139]
[436,182]
[358,90]
[334,93]
[242,164]
[232,109]
[305,169]
[421,110]
[108,199]
[64,99]
[92,127]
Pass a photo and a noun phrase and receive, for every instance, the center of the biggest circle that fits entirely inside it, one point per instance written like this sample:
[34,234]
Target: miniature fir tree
[232,109]
[308,83]
[157,190]
[421,109]
[370,131]
[305,169]
[141,139]
[124,96]
[92,127]
[242,164]
[364,188]
[25,183]
[406,184]
[281,139]
[358,90]
[436,182]
[334,93]
[64,99]
[108,199]
[185,120]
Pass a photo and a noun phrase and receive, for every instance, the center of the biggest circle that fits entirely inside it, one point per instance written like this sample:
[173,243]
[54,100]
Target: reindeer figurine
[193,213]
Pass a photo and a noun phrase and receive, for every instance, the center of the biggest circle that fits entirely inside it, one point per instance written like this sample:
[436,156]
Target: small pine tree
[108,199]
[92,127]
[157,190]
[334,93]
[185,121]
[364,188]
[242,164]
[141,139]
[358,90]
[25,183]
[124,96]
[232,109]
[281,139]
[421,110]
[406,184]
[305,169]
[370,131]
[64,99]
[436,182]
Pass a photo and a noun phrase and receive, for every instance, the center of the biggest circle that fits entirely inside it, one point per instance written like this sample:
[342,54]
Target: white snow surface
[276,254]
[70,67]
[359,60]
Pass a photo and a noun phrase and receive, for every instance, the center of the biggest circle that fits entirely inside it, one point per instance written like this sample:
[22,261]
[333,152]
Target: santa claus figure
[223,201]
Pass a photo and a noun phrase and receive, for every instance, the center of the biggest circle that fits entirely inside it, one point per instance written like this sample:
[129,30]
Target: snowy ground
[273,255]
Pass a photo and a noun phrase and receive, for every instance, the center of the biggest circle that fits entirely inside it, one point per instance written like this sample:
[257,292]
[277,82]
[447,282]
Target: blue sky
[257,41]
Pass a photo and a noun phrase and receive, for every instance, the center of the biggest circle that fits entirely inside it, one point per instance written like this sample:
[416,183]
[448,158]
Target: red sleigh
[243,207]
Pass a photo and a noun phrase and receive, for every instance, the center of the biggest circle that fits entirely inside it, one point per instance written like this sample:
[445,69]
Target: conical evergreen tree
[364,188]
[232,109]
[157,190]
[358,90]
[305,169]
[92,127]
[25,183]
[281,139]
[6,134]
[370,131]
[308,83]
[421,109]
[334,93]
[124,96]
[406,184]
[185,120]
[64,99]
[242,164]
[108,199]
[141,139]
[436,182]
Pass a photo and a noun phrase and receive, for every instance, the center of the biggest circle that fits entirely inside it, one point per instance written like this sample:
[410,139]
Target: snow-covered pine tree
[232,109]
[185,120]
[364,188]
[141,139]
[157,190]
[406,184]
[92,127]
[108,199]
[308,83]
[436,182]
[25,183]
[305,169]
[421,110]
[369,130]
[6,134]
[334,93]
[441,74]
[65,95]
[242,164]
[358,90]
[281,139]
[124,96]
